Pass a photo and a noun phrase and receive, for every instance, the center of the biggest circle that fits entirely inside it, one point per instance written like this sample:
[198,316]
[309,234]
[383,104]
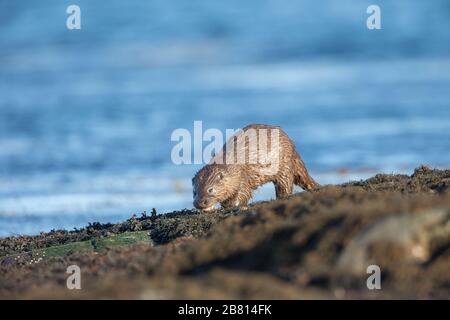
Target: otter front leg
[239,200]
[229,203]
[284,186]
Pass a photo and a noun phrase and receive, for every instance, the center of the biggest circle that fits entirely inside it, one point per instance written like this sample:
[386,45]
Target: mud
[310,245]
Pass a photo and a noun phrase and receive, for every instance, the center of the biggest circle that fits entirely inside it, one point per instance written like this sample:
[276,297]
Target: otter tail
[301,175]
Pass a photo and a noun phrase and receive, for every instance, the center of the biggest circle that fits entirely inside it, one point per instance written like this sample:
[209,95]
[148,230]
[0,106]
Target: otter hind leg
[284,186]
[302,177]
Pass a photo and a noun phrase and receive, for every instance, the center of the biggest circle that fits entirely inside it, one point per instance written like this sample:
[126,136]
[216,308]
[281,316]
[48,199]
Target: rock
[409,235]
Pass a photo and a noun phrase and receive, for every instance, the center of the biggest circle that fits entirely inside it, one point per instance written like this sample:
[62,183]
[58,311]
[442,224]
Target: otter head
[213,184]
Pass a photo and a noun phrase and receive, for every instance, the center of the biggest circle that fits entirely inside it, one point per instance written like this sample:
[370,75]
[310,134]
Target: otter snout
[204,204]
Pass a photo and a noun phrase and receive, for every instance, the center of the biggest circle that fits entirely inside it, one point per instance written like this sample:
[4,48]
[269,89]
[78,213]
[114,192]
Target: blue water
[86,115]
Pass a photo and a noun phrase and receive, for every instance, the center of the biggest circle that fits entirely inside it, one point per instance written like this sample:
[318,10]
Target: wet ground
[311,245]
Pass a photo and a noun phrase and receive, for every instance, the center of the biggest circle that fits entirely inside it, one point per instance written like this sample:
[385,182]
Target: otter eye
[220,176]
[210,190]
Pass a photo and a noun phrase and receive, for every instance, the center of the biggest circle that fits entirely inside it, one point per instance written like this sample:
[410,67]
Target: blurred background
[86,115]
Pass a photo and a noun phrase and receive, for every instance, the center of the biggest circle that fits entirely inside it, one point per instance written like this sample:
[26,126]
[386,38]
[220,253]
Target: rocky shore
[310,245]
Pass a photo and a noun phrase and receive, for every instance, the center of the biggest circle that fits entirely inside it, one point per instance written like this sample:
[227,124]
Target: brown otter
[255,155]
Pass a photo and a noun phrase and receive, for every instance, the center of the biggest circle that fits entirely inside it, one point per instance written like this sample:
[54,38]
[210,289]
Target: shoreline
[26,213]
[308,245]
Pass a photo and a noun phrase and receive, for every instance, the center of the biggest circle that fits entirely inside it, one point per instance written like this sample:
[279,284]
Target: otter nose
[201,203]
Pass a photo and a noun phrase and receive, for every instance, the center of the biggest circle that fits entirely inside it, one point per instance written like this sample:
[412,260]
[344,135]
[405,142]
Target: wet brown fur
[232,185]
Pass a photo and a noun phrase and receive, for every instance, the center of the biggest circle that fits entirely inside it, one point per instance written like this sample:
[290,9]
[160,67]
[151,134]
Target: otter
[233,174]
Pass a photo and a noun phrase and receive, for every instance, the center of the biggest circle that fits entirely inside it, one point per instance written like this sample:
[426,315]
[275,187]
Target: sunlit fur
[232,185]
